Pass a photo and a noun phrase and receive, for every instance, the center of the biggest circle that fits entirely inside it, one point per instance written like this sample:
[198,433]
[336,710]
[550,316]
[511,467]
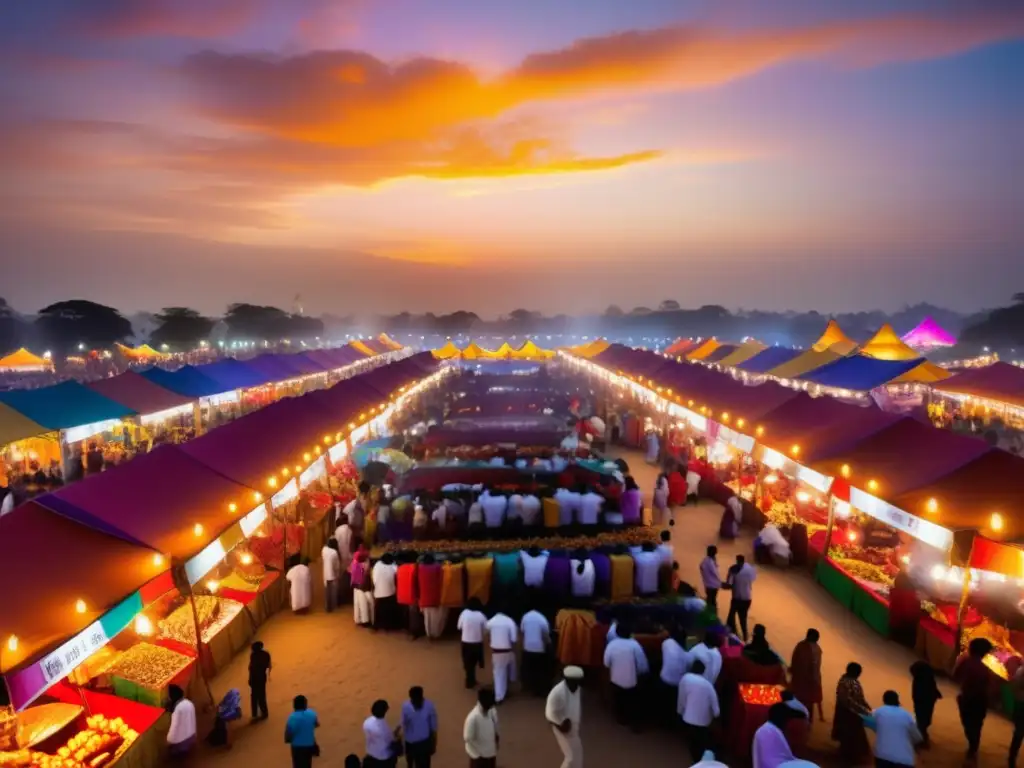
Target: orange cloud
[315,97]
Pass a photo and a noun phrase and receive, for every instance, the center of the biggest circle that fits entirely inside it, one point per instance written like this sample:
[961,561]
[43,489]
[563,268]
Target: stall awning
[389,378]
[742,353]
[65,405]
[929,334]
[47,564]
[768,359]
[721,353]
[887,345]
[232,374]
[188,381]
[860,373]
[138,393]
[15,426]
[834,340]
[906,455]
[448,351]
[389,343]
[274,367]
[680,347]
[702,351]
[23,360]
[155,501]
[983,495]
[362,347]
[1001,382]
[801,364]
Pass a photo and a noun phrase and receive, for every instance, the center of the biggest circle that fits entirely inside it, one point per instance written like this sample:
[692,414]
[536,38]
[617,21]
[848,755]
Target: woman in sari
[805,673]
[848,722]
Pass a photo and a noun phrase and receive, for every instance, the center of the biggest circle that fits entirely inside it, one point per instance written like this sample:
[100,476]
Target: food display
[873,565]
[214,614]
[37,724]
[630,537]
[101,743]
[148,665]
[760,694]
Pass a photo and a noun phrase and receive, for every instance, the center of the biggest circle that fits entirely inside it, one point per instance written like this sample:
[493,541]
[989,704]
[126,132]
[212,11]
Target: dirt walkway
[342,670]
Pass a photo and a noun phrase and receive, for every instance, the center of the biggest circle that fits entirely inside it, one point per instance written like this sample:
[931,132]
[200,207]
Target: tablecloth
[871,608]
[836,582]
[750,712]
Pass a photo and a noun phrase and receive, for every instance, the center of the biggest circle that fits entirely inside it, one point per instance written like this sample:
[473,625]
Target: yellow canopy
[704,350]
[388,342]
[530,351]
[15,427]
[23,360]
[590,349]
[474,352]
[362,348]
[926,373]
[143,352]
[742,353]
[834,339]
[504,352]
[801,364]
[887,345]
[446,352]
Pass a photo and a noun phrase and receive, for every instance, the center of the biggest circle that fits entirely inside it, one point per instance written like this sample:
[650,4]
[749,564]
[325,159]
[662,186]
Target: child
[925,692]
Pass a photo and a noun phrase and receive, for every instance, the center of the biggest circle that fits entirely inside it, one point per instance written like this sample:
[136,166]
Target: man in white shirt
[741,583]
[515,507]
[665,550]
[332,574]
[675,660]
[472,625]
[591,503]
[480,732]
[301,589]
[182,735]
[647,562]
[536,631]
[568,506]
[583,575]
[494,508]
[343,535]
[535,562]
[563,711]
[697,705]
[380,738]
[626,662]
[708,654]
[503,633]
[896,734]
[530,510]
[385,597]
[692,486]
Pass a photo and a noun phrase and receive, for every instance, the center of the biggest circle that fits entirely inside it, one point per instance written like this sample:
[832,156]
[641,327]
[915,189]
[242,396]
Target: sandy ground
[342,670]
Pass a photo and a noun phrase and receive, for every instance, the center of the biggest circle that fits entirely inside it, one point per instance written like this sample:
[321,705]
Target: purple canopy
[155,501]
[929,334]
[137,393]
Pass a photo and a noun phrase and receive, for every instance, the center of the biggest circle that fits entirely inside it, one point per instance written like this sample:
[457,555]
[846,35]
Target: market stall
[164,416]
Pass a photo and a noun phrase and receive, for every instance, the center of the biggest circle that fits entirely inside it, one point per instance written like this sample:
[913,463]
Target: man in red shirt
[973,677]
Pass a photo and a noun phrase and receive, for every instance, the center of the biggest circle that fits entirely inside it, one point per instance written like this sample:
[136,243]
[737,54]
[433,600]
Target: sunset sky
[388,155]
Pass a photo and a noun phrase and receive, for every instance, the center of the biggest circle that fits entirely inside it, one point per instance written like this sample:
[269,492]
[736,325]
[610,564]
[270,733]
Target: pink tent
[929,334]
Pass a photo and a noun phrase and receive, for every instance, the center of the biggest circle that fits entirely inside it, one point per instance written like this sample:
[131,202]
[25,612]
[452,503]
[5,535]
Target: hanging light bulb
[12,643]
[197,529]
[845,470]
[80,606]
[932,506]
[143,625]
[232,507]
[158,560]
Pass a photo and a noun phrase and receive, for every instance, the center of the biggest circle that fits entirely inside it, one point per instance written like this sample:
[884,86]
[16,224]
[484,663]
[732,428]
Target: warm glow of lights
[80,606]
[298,468]
[760,431]
[337,437]
[232,507]
[872,485]
[845,470]
[740,423]
[272,481]
[12,643]
[307,456]
[852,536]
[285,471]
[996,522]
[197,529]
[932,506]
[316,449]
[158,560]
[771,479]
[327,439]
[246,558]
[690,403]
[803,496]
[258,496]
[212,585]
[143,625]
[794,449]
[905,559]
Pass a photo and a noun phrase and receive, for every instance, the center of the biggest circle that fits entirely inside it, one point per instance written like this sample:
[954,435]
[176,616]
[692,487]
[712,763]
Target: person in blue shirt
[419,729]
[300,733]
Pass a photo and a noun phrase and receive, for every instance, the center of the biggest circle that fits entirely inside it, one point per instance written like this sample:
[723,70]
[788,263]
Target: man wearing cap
[563,712]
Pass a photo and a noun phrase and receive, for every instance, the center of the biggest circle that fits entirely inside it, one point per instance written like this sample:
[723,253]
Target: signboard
[736,439]
[26,685]
[224,398]
[85,431]
[922,530]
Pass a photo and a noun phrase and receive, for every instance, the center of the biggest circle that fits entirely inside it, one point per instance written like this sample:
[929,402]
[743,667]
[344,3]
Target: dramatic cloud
[352,99]
[204,19]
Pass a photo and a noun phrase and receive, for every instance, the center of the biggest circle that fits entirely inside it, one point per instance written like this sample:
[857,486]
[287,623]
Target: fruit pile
[760,694]
[149,665]
[884,575]
[102,742]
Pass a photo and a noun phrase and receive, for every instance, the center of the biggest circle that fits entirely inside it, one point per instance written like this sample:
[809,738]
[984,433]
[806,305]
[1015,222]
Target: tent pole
[964,597]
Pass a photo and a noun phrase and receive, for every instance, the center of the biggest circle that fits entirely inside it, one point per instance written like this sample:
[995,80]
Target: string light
[996,522]
[760,431]
[197,529]
[12,643]
[246,559]
[213,585]
[143,625]
[327,439]
[845,470]
[316,449]
[740,423]
[232,507]
[307,456]
[272,481]
[80,606]
[285,471]
[158,560]
[258,496]
[932,506]
[872,485]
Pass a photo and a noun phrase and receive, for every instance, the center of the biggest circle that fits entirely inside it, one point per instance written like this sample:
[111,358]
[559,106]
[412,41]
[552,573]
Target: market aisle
[790,602]
[342,670]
